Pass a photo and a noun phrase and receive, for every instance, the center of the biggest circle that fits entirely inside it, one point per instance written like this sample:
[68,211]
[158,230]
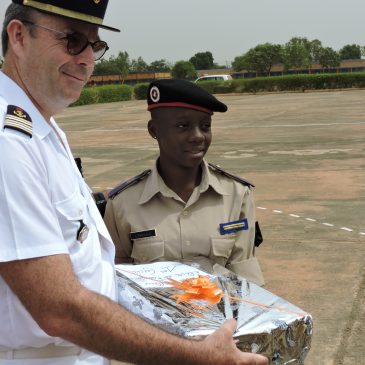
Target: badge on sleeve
[232,227]
[16,118]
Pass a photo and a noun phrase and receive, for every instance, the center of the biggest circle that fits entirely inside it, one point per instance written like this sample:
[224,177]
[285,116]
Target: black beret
[89,11]
[182,93]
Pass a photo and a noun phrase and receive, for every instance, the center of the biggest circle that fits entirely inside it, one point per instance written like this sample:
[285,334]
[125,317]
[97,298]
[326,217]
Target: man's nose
[86,57]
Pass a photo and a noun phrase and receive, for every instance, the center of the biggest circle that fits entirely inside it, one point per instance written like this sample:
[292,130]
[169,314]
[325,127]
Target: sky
[176,30]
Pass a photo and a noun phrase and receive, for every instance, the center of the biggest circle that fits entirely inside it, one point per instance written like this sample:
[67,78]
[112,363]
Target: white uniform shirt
[42,200]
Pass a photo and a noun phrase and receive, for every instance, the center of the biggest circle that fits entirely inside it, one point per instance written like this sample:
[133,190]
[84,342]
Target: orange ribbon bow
[200,288]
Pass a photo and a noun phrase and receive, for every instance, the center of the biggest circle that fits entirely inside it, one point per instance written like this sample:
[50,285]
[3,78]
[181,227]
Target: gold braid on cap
[60,11]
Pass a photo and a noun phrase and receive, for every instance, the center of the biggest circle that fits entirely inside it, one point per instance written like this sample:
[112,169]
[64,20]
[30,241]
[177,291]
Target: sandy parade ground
[305,153]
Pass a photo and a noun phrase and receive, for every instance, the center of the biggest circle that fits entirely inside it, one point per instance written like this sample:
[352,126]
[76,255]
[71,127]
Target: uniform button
[185,213]
[144,258]
[188,243]
[80,211]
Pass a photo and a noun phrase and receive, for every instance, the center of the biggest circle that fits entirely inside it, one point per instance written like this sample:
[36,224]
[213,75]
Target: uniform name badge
[232,227]
[82,232]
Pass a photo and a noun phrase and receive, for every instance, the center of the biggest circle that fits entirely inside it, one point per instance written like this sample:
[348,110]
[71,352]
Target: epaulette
[16,118]
[225,173]
[126,184]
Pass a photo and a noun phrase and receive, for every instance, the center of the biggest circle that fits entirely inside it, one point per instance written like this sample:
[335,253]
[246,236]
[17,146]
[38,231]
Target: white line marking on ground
[313,220]
[346,229]
[328,224]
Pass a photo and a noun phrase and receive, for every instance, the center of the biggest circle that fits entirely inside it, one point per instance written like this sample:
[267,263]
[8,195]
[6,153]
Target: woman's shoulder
[128,183]
[216,169]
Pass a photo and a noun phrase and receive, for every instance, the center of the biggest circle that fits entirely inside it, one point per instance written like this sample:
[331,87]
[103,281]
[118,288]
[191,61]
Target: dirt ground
[305,154]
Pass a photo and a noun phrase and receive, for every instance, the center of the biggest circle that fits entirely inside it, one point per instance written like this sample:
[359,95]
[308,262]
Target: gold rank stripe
[18,123]
[233,226]
[64,12]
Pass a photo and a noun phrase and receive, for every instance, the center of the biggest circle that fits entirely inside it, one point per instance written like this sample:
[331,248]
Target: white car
[214,78]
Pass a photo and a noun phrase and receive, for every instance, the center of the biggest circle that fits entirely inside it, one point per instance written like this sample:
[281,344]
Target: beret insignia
[16,118]
[155,94]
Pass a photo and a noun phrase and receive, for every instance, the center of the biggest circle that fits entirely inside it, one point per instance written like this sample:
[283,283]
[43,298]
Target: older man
[57,281]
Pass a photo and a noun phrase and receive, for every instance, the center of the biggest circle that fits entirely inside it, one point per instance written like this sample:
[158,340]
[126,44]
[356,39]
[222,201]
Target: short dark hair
[14,11]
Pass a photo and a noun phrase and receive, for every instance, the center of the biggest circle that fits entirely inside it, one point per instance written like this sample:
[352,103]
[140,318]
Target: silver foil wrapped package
[266,323]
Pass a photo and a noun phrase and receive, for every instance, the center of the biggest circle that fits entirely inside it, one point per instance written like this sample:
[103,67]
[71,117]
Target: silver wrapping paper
[266,323]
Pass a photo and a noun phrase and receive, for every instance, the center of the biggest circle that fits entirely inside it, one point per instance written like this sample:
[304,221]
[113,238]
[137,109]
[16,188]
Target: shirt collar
[155,184]
[211,179]
[15,95]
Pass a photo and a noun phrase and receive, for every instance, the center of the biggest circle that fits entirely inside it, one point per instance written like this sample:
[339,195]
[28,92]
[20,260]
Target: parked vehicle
[214,78]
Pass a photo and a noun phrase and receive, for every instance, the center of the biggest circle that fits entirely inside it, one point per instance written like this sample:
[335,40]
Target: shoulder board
[126,184]
[225,173]
[16,118]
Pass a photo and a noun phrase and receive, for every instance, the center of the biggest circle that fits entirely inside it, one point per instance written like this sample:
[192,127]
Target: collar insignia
[17,119]
[232,227]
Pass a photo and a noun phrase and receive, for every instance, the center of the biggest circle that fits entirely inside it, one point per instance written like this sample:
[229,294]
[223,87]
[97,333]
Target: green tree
[122,63]
[159,66]
[314,49]
[296,54]
[184,70]
[238,63]
[138,65]
[350,52]
[202,60]
[328,57]
[114,65]
[262,57]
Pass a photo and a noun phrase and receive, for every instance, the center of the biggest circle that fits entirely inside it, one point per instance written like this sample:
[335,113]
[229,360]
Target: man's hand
[221,341]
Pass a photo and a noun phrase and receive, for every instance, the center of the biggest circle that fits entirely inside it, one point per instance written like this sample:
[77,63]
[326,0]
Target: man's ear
[16,32]
[151,129]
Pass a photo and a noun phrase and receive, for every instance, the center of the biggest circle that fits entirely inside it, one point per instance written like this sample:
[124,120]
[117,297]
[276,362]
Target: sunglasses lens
[77,42]
[99,48]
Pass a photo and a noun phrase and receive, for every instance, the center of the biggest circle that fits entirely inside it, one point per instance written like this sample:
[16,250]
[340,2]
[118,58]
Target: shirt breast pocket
[221,249]
[70,212]
[148,250]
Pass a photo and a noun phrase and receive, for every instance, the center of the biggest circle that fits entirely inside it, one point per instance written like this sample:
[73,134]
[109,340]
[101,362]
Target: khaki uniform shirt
[163,227]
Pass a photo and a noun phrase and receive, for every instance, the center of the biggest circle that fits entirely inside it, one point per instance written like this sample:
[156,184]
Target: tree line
[123,65]
[298,53]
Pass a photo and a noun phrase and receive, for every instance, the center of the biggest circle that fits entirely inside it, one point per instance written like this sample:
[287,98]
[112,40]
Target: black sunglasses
[77,42]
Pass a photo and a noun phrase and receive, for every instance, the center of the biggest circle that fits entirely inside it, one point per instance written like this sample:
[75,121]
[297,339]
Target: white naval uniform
[42,200]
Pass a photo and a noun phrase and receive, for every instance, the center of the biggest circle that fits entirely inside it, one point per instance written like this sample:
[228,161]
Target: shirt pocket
[69,212]
[148,250]
[221,249]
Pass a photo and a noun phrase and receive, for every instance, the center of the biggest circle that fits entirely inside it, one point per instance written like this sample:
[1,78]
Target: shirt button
[188,243]
[144,258]
[185,213]
[80,211]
